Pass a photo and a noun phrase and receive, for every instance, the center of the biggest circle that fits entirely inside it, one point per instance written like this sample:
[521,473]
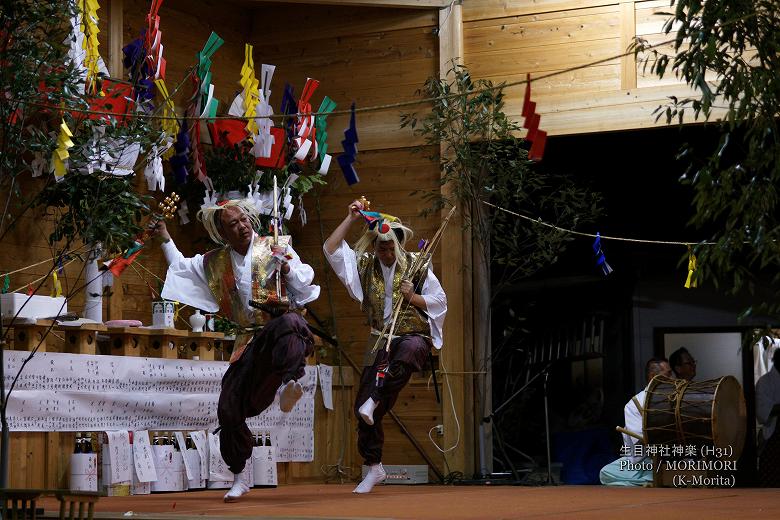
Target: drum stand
[487,419]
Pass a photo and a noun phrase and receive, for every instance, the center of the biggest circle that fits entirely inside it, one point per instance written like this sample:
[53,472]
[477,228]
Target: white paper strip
[326,384]
[142,457]
[182,446]
[121,457]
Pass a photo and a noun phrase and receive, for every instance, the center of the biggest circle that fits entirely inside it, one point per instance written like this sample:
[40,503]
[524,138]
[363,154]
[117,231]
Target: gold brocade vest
[222,283]
[411,320]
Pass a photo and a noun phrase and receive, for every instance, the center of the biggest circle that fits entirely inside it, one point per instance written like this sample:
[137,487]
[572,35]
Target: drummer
[767,409]
[634,468]
[683,364]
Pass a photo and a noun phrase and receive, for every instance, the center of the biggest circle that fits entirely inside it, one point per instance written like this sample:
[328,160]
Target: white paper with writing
[121,456]
[80,392]
[326,384]
[143,459]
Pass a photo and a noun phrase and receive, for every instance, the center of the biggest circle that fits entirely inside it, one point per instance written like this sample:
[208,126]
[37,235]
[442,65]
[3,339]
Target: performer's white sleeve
[185,280]
[436,307]
[767,396]
[344,263]
[633,418]
[299,280]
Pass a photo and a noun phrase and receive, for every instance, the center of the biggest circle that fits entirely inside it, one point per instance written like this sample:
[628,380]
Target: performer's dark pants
[769,462]
[407,354]
[276,355]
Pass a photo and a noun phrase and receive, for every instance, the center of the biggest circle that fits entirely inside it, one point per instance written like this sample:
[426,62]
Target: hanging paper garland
[304,126]
[691,281]
[60,154]
[251,95]
[89,26]
[326,107]
[56,286]
[264,140]
[601,260]
[347,159]
[153,41]
[536,137]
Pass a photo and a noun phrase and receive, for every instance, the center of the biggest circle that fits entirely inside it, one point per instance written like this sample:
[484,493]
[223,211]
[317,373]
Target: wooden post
[82,339]
[165,343]
[115,27]
[128,341]
[627,35]
[28,336]
[205,345]
[455,275]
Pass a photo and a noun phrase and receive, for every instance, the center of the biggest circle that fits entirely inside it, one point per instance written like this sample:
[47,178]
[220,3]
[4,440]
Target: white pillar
[93,299]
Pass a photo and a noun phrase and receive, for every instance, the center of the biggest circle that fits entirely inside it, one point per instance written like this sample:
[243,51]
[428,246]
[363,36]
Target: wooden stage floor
[336,501]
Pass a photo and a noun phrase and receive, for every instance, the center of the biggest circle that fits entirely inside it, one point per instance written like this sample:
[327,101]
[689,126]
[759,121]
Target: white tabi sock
[291,392]
[366,411]
[376,474]
[240,485]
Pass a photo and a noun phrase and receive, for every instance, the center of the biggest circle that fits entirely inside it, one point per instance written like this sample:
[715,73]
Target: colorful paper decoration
[56,286]
[305,125]
[168,124]
[209,106]
[537,138]
[691,281]
[114,99]
[276,157]
[347,159]
[60,155]
[153,42]
[326,107]
[89,26]
[264,140]
[227,132]
[601,260]
[251,93]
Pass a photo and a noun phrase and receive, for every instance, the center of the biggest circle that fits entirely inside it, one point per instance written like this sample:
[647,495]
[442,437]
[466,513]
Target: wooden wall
[371,56]
[504,40]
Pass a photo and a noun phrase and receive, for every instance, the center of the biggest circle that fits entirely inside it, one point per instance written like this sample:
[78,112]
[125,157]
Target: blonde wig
[398,233]
[212,217]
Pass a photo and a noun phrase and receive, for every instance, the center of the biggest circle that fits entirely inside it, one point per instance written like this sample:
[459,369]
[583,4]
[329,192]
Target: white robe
[186,279]
[634,423]
[762,356]
[767,396]
[344,263]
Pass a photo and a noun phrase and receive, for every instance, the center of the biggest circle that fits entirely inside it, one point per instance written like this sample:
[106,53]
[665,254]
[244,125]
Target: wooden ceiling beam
[410,4]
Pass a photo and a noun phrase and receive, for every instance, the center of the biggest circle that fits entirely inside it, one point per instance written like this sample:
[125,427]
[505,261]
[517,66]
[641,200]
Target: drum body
[696,413]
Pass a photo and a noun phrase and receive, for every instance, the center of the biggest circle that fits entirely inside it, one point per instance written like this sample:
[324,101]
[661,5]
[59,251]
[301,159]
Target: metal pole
[5,437]
[547,426]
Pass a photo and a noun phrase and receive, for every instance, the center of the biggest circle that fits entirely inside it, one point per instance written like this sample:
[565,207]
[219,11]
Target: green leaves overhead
[729,52]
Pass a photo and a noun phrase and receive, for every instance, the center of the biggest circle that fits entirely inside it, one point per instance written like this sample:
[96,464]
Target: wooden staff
[411,271]
[276,240]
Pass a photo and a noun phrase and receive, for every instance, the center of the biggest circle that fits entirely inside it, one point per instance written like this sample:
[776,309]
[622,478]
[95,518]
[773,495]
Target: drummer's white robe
[629,470]
[767,396]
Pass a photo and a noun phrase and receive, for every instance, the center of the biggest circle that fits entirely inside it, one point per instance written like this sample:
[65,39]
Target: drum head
[728,417]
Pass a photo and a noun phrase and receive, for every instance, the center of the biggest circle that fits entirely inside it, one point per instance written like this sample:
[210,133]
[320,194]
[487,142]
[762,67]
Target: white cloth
[767,396]
[186,279]
[762,356]
[633,417]
[344,263]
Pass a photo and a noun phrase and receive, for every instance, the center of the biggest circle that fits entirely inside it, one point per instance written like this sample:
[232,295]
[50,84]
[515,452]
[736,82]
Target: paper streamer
[601,260]
[347,159]
[691,281]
